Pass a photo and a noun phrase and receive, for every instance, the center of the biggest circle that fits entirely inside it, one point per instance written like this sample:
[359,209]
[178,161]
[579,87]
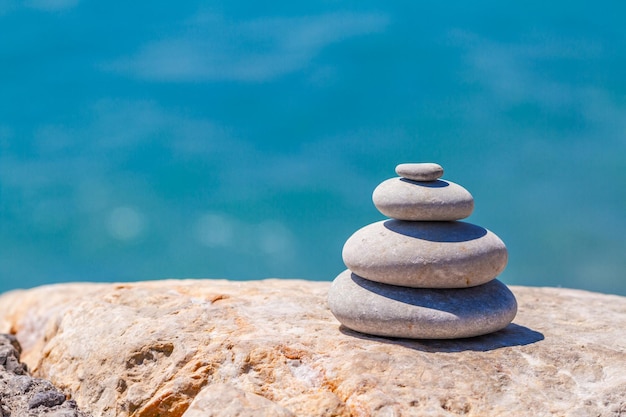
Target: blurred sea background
[242,140]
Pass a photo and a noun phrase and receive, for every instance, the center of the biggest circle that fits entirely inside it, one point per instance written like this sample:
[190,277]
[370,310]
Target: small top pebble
[420,172]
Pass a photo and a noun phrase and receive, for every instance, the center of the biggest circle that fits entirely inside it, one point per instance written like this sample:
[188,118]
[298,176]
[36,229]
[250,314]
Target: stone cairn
[423,274]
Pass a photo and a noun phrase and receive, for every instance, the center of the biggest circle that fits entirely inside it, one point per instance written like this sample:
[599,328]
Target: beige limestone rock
[268,347]
[223,399]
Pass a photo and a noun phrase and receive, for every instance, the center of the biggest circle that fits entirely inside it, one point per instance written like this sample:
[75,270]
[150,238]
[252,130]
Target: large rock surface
[272,348]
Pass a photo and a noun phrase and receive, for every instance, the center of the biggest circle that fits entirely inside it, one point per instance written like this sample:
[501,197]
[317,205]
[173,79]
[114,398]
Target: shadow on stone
[449,231]
[458,301]
[428,184]
[511,335]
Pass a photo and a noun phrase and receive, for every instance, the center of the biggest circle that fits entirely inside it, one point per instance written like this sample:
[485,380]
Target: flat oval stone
[403,199]
[420,172]
[392,311]
[425,254]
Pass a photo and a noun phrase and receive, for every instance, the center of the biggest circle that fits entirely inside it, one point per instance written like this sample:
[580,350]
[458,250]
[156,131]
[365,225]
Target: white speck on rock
[304,373]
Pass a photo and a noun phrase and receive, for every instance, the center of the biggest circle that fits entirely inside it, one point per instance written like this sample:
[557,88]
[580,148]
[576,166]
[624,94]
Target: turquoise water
[142,140]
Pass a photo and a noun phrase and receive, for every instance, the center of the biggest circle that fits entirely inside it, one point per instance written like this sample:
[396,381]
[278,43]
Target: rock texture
[23,395]
[272,348]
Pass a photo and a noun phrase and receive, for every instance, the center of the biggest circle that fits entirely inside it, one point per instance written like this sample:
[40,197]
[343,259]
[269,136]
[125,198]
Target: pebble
[403,199]
[392,311]
[46,399]
[425,254]
[420,172]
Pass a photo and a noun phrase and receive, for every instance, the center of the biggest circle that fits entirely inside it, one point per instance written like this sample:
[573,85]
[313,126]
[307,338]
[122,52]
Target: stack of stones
[423,274]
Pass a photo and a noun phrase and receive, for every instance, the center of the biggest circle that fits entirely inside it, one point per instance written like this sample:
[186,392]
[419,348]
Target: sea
[242,140]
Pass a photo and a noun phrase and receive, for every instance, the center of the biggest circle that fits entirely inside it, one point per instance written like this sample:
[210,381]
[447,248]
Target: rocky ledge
[272,348]
[23,395]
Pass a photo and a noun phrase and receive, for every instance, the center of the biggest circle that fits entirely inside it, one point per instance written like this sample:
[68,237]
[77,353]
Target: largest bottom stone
[420,313]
